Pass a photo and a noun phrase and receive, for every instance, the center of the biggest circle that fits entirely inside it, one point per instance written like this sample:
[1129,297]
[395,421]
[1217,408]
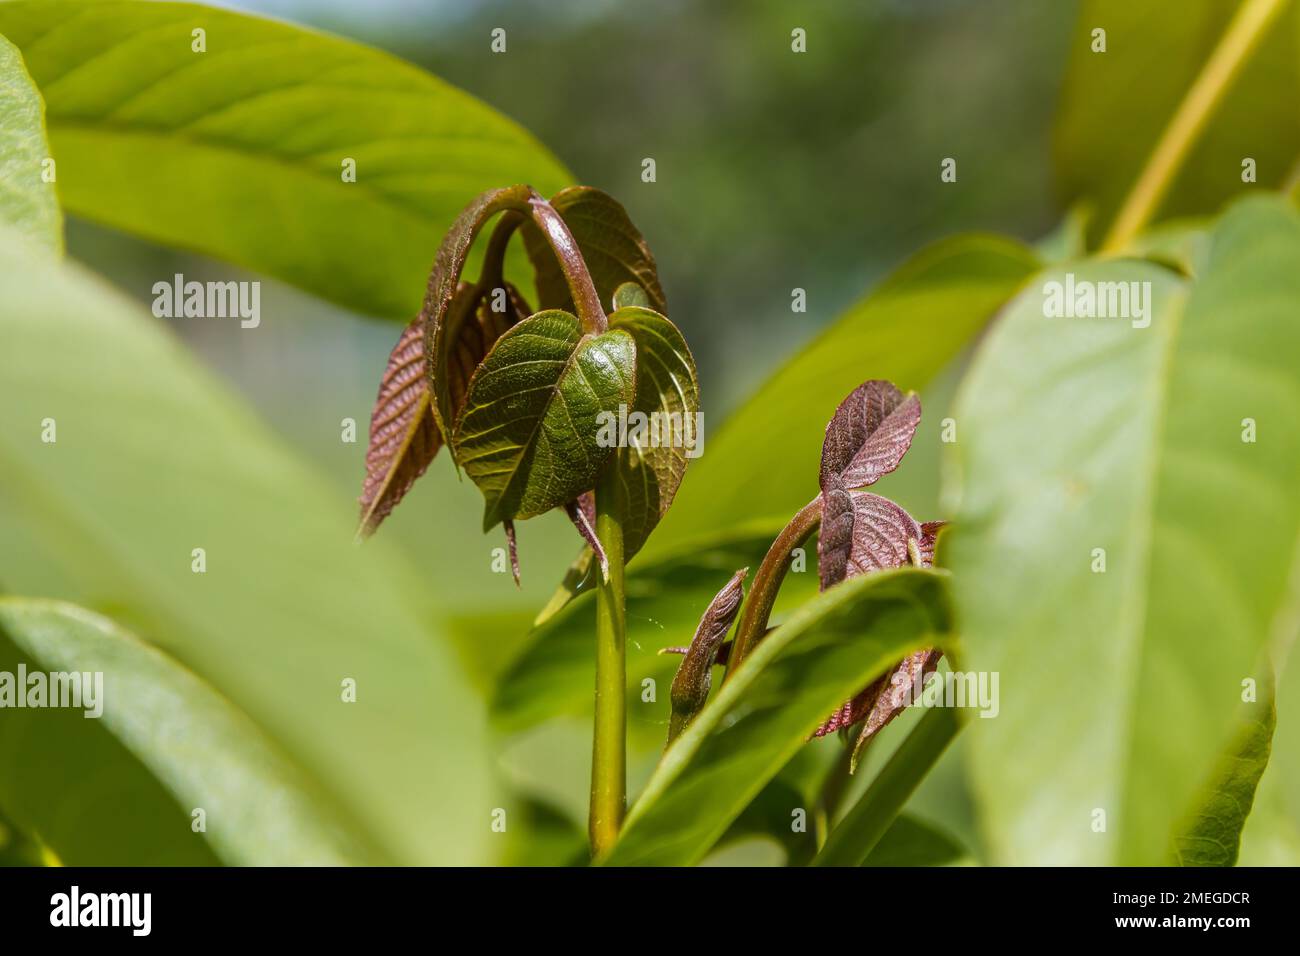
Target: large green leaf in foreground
[1122,687]
[830,648]
[27,200]
[907,331]
[153,460]
[240,151]
[122,787]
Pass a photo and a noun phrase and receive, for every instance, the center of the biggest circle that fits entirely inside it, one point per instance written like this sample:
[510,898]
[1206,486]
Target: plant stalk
[1247,28]
[767,582]
[608,751]
[585,299]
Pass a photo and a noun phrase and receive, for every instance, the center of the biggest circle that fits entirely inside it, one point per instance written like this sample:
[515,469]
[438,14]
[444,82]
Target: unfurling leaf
[439,333]
[404,433]
[404,436]
[690,690]
[929,538]
[868,435]
[528,435]
[653,457]
[611,245]
[861,532]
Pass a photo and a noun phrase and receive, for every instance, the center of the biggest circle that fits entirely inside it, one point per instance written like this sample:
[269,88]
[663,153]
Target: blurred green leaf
[555,673]
[1212,834]
[154,459]
[529,433]
[907,331]
[1271,836]
[1115,106]
[854,838]
[121,788]
[912,842]
[27,201]
[1085,434]
[179,146]
[831,647]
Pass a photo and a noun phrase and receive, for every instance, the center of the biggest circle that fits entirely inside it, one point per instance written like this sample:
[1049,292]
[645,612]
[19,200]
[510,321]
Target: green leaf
[912,842]
[907,331]
[613,248]
[554,673]
[154,459]
[121,787]
[1212,834]
[529,435]
[178,146]
[27,200]
[865,825]
[1115,106]
[1084,434]
[831,647]
[667,393]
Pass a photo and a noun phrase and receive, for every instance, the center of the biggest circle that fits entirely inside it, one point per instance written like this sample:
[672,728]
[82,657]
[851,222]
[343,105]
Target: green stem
[767,582]
[608,756]
[1247,28]
[864,825]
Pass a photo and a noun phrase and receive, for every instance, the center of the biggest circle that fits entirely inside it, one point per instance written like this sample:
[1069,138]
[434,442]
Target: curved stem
[767,582]
[608,756]
[1245,31]
[583,290]
[494,258]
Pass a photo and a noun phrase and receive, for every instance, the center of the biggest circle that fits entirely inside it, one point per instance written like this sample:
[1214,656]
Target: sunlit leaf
[27,200]
[353,162]
[1136,484]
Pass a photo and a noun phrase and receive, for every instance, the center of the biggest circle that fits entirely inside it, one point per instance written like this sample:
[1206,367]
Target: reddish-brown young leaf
[444,282]
[868,434]
[861,532]
[404,437]
[690,690]
[404,434]
[929,536]
[513,547]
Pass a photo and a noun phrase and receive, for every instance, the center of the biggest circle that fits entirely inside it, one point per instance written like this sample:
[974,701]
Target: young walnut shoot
[518,398]
[860,532]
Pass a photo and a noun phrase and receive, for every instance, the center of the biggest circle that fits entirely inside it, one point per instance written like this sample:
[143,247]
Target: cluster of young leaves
[520,397]
[860,532]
